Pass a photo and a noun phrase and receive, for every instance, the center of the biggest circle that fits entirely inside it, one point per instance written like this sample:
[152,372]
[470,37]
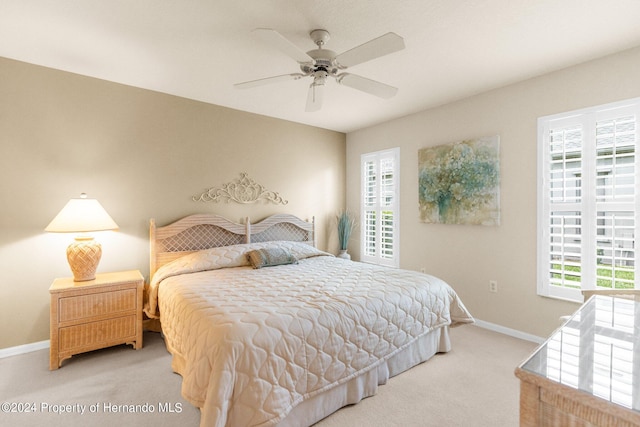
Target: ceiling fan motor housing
[323,59]
[324,63]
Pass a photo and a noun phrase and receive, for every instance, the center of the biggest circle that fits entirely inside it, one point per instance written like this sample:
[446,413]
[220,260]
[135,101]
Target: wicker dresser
[95,314]
[587,373]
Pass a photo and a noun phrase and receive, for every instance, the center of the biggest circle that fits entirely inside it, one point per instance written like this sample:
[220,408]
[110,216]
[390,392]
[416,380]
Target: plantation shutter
[588,200]
[369,208]
[379,189]
[615,201]
[565,220]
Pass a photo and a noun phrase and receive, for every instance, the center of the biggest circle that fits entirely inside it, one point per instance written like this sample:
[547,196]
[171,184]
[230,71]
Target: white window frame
[587,205]
[378,157]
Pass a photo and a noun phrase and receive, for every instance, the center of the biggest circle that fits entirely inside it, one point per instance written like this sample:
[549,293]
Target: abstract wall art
[459,183]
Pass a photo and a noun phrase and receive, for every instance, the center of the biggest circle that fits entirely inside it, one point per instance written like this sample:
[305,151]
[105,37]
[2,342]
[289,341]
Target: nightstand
[95,314]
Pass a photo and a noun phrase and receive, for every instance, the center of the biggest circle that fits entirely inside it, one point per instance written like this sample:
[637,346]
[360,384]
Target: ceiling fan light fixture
[320,77]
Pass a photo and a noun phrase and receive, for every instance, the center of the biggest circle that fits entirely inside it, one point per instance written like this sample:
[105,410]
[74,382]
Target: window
[379,207]
[587,200]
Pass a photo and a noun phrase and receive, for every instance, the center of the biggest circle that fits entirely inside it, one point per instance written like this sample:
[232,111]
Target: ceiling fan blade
[314,97]
[367,85]
[383,45]
[268,80]
[278,41]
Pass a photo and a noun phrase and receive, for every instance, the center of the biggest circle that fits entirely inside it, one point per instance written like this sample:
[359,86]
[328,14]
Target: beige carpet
[473,385]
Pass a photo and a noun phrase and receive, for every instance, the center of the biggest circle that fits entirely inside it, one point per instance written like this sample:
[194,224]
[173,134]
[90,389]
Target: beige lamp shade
[81,216]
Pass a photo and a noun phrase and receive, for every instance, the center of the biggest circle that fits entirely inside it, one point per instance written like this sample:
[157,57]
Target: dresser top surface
[596,351]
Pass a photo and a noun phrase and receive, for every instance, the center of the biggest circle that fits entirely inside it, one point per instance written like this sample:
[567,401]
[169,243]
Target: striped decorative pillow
[269,257]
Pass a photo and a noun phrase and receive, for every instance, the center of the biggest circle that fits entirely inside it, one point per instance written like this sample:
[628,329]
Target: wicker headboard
[203,231]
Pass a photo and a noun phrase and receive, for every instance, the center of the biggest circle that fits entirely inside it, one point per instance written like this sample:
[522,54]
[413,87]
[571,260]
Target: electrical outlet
[493,286]
[423,270]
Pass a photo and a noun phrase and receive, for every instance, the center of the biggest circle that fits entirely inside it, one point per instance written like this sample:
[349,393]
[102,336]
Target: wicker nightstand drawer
[80,337]
[95,314]
[83,306]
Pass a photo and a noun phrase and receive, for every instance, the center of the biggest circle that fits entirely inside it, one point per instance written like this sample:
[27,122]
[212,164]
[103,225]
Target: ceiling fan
[322,63]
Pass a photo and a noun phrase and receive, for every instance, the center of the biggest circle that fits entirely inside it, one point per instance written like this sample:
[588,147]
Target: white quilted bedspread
[251,344]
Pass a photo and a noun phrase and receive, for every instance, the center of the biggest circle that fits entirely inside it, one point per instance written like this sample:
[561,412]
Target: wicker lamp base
[84,255]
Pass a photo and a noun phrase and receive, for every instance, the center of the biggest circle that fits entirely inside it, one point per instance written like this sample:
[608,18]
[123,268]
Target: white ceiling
[199,48]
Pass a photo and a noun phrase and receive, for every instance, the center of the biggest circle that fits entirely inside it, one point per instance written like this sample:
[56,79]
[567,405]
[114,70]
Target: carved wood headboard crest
[243,190]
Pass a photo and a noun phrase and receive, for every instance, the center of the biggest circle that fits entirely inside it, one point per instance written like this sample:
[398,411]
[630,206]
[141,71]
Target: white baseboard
[508,331]
[22,349]
[41,345]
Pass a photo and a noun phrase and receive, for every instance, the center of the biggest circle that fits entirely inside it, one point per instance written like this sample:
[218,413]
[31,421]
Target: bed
[267,330]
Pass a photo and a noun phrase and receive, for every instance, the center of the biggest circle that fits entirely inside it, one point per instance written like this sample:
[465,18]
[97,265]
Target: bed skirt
[324,404]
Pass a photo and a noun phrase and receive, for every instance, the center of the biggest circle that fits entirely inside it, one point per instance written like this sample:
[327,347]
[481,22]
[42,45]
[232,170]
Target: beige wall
[142,154]
[469,256]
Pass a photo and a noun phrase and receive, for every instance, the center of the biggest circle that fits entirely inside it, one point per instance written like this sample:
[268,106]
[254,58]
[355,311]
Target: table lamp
[81,216]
